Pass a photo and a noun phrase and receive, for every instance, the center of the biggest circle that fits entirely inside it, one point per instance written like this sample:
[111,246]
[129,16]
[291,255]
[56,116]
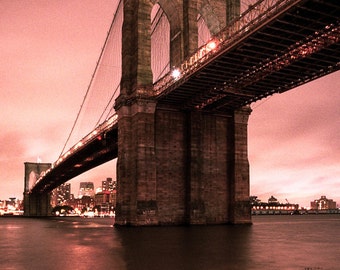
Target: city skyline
[49,51]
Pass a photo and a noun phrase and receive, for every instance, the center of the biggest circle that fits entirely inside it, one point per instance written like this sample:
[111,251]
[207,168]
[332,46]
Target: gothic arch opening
[160,43]
[32,179]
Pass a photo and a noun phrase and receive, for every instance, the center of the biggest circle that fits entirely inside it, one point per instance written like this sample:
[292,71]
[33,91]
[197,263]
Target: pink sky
[48,53]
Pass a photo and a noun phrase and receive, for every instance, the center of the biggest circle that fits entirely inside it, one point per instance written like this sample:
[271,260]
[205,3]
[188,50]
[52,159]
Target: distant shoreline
[295,212]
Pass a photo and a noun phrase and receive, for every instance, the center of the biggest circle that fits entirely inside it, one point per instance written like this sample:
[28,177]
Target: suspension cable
[92,78]
[162,72]
[112,96]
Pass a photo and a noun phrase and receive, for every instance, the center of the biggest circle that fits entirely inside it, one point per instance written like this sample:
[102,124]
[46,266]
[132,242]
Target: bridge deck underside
[274,58]
[100,150]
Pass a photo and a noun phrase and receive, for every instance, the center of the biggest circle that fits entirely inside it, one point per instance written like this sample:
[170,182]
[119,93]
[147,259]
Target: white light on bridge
[79,144]
[211,45]
[176,74]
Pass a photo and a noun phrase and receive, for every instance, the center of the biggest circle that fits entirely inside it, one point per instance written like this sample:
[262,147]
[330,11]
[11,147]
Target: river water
[306,242]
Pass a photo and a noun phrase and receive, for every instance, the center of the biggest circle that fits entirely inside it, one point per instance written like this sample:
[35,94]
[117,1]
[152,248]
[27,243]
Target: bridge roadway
[294,43]
[98,147]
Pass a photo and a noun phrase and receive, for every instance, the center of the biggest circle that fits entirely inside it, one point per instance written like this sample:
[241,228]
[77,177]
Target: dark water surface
[308,242]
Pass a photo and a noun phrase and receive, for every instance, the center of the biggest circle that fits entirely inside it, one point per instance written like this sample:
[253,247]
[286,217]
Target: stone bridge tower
[35,204]
[176,166]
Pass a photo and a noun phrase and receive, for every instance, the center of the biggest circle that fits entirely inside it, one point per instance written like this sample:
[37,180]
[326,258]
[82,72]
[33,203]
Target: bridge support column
[136,167]
[218,179]
[35,204]
[240,211]
[209,137]
[177,167]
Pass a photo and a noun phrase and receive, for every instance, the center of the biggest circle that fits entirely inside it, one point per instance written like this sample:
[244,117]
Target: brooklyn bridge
[176,114]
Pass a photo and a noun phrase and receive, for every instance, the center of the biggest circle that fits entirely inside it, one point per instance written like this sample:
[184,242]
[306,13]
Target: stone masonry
[176,166]
[35,204]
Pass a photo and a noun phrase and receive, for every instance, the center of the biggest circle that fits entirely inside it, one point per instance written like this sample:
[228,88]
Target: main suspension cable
[92,78]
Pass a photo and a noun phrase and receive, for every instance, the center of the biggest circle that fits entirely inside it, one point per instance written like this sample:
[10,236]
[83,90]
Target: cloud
[12,145]
[294,142]
[11,164]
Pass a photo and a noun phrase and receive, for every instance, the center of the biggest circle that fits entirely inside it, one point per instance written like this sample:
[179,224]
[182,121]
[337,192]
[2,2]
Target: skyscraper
[86,189]
[108,184]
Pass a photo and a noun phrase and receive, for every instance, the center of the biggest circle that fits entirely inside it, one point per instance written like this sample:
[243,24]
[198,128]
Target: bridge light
[79,144]
[175,74]
[211,45]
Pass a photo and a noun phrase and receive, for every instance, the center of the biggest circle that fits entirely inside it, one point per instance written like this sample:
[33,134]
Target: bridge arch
[181,20]
[160,43]
[137,43]
[174,14]
[185,19]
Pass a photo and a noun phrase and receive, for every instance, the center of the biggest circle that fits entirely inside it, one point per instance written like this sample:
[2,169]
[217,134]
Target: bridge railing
[249,20]
[102,128]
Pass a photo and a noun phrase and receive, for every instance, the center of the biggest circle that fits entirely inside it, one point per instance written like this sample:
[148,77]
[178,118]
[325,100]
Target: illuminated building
[273,201]
[61,194]
[323,204]
[272,207]
[106,199]
[108,184]
[86,189]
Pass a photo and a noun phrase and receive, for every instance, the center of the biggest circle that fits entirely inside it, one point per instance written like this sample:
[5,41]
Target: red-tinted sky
[48,53]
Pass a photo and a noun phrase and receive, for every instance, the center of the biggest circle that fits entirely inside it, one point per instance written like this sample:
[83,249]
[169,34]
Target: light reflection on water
[272,242]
